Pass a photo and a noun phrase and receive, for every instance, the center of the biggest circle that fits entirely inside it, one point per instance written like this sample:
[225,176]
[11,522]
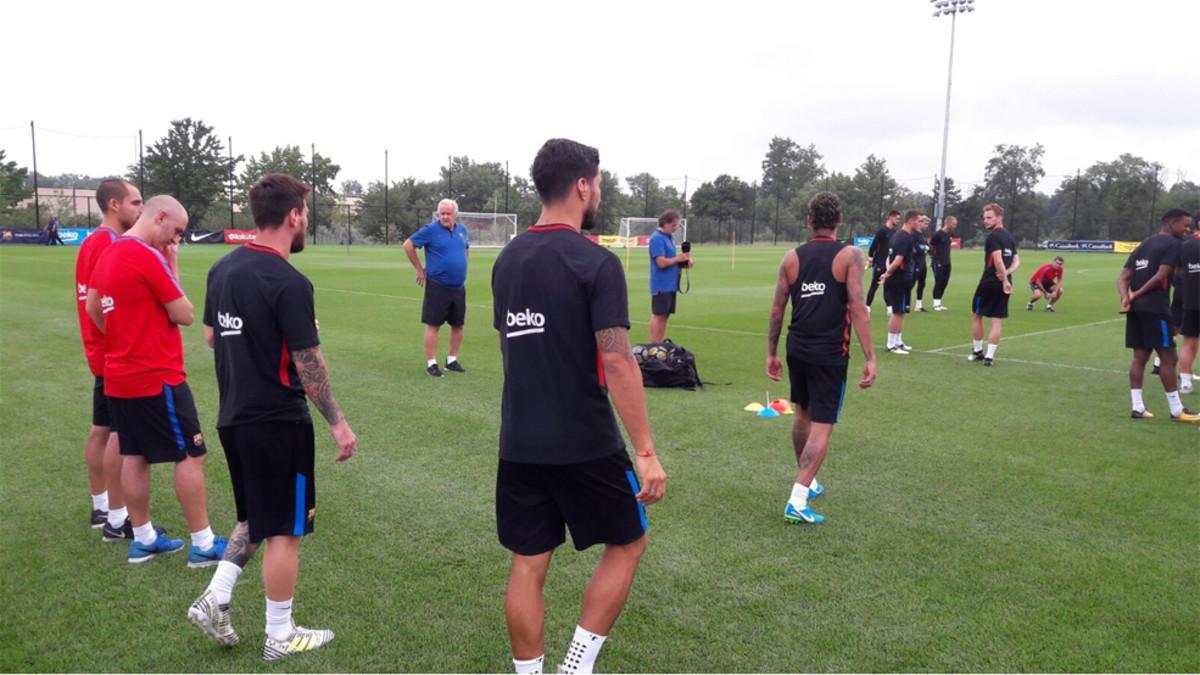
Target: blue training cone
[767,412]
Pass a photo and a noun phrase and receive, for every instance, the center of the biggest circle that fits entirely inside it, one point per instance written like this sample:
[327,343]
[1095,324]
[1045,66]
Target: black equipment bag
[666,364]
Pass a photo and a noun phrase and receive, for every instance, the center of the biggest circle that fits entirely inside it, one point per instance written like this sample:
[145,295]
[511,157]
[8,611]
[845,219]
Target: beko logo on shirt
[808,290]
[106,303]
[528,322]
[1008,252]
[231,324]
[1141,263]
[1193,268]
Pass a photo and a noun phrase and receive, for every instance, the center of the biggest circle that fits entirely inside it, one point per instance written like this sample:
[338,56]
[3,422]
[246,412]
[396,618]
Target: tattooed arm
[788,270]
[314,375]
[624,380]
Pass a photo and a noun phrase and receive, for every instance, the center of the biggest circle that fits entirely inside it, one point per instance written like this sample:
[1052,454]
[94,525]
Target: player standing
[1046,282]
[897,280]
[562,310]
[120,207]
[877,253]
[260,321]
[939,252]
[1000,260]
[1188,275]
[823,280]
[920,269]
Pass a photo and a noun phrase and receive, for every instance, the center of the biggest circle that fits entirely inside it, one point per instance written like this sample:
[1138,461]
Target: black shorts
[819,389]
[1189,326]
[898,296]
[162,428]
[663,303]
[990,300]
[271,468]
[444,305]
[1177,312]
[101,414]
[595,499]
[1147,330]
[1049,288]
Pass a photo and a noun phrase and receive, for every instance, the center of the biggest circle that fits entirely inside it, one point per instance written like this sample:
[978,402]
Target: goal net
[636,232]
[488,230]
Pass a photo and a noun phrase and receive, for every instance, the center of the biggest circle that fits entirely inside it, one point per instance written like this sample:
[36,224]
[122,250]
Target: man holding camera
[665,268]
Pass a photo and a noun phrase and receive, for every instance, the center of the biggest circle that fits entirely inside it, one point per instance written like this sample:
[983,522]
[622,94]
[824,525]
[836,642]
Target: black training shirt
[939,247]
[999,239]
[879,247]
[820,329]
[1143,263]
[553,289]
[919,250]
[260,309]
[1189,266]
[901,245]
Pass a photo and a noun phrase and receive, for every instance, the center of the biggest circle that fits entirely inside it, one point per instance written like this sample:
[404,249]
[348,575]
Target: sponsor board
[955,242]
[1125,246]
[74,236]
[239,236]
[23,235]
[1082,246]
[863,242]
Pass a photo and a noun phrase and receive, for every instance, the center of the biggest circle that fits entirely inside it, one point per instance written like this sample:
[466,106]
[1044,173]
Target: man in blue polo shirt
[665,268]
[444,278]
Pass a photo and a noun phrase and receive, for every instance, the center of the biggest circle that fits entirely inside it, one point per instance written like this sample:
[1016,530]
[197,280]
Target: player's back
[820,328]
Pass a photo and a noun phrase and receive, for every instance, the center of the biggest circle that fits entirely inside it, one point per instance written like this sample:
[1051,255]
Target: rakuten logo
[528,321]
[107,304]
[231,324]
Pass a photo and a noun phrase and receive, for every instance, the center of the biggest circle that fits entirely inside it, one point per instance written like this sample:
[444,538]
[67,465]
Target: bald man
[136,300]
[444,278]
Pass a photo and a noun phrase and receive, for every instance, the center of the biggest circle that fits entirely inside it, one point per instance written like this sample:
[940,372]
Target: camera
[686,247]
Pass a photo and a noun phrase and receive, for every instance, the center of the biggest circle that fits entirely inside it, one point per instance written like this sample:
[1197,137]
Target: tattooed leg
[240,550]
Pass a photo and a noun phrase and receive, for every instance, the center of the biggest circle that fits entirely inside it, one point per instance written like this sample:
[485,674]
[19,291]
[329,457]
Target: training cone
[781,406]
[767,412]
[753,407]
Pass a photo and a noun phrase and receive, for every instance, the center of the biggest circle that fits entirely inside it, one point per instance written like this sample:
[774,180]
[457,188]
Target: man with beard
[897,280]
[939,251]
[120,205]
[562,310]
[260,321]
[920,268]
[877,255]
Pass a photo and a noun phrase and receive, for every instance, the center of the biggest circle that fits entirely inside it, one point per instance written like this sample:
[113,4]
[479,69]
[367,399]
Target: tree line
[1115,199]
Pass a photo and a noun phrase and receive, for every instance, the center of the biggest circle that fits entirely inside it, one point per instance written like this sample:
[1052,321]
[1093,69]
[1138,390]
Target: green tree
[727,200]
[788,172]
[471,184]
[1110,200]
[1009,179]
[868,196]
[188,164]
[318,171]
[12,183]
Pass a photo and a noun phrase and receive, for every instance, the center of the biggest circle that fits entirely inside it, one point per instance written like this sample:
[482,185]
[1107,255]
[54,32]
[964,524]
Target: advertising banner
[1084,246]
[205,236]
[863,242]
[239,236]
[74,236]
[955,242]
[1125,246]
[23,235]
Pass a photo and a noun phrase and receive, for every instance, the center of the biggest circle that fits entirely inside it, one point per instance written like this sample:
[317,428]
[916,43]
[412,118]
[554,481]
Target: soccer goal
[488,230]
[636,231]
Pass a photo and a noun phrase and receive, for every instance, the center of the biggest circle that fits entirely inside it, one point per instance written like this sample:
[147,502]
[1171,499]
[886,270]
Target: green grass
[1004,519]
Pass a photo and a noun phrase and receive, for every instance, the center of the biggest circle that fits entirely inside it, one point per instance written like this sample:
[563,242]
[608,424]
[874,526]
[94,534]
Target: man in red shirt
[1046,282]
[136,299]
[120,205]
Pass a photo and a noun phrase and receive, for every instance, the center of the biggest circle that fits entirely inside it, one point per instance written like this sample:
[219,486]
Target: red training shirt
[143,349]
[89,254]
[1047,274]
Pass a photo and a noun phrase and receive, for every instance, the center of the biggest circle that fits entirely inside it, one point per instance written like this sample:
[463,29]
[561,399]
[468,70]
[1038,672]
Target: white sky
[673,88]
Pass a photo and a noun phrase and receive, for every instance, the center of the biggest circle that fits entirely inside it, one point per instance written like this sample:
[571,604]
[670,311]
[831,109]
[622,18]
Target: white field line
[1002,360]
[1033,334]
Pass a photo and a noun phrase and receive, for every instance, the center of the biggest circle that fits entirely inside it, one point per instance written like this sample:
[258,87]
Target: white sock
[116,517]
[1049,304]
[145,534]
[1138,404]
[530,666]
[977,345]
[100,501]
[1174,403]
[451,359]
[891,340]
[1185,380]
[581,655]
[899,338]
[223,580]
[937,303]
[991,351]
[919,304]
[430,362]
[1157,362]
[279,619]
[799,498]
[814,484]
[203,539]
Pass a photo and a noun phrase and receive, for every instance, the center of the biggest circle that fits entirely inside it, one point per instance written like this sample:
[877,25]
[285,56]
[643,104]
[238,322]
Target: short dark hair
[912,214]
[893,212]
[669,216]
[559,163]
[1059,258]
[825,209]
[1174,214]
[113,188]
[274,196]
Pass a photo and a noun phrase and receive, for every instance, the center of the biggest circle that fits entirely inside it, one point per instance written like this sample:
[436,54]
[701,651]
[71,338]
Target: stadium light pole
[943,8]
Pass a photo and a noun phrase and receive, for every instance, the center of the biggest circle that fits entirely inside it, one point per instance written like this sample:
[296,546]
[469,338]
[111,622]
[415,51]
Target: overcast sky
[674,88]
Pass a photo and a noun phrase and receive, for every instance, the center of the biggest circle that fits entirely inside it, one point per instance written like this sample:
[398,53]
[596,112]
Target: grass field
[1003,519]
